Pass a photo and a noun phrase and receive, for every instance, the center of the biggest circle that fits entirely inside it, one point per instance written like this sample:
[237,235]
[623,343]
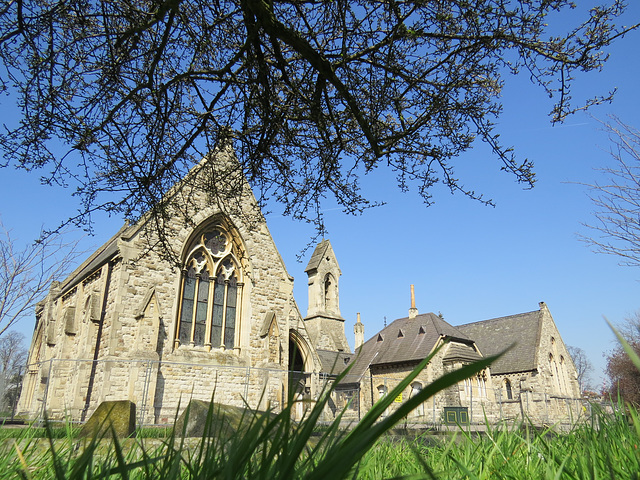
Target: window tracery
[481,379]
[211,289]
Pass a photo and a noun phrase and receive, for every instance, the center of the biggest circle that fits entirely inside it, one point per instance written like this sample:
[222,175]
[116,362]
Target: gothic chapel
[128,325]
[220,321]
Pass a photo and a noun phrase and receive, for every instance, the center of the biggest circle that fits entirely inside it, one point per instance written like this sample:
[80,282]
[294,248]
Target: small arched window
[382,391]
[507,386]
[330,293]
[416,388]
[210,292]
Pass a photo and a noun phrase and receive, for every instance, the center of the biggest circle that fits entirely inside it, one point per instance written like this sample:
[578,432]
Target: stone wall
[139,319]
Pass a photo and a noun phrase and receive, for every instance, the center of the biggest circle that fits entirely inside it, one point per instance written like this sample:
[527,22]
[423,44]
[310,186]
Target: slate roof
[334,362]
[496,335]
[405,340]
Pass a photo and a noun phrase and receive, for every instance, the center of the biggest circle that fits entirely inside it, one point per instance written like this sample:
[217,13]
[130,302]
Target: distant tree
[13,353]
[617,198]
[119,98]
[583,366]
[26,272]
[13,356]
[623,375]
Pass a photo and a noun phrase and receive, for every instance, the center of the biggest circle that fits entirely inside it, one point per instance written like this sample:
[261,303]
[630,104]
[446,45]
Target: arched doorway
[296,362]
[298,382]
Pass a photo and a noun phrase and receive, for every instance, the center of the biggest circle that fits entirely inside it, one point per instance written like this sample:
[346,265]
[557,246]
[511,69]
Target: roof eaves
[95,261]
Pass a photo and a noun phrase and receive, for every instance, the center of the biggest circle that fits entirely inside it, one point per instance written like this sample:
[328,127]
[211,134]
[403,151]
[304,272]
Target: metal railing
[162,389]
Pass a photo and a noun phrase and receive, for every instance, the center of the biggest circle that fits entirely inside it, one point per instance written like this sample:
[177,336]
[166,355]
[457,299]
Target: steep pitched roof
[404,340]
[496,335]
[322,249]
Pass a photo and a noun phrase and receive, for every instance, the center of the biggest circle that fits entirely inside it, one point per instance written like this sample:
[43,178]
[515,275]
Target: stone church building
[132,323]
[535,378]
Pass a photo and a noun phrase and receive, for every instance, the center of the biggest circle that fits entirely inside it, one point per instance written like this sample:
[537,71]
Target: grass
[272,446]
[587,452]
[610,451]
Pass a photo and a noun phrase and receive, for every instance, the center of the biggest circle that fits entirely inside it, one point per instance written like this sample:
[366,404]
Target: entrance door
[297,379]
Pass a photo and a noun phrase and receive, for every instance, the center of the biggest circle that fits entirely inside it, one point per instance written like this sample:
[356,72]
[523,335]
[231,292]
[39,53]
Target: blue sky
[469,262]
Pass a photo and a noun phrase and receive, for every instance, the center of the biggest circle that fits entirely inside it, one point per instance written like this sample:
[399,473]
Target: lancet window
[211,290]
[508,389]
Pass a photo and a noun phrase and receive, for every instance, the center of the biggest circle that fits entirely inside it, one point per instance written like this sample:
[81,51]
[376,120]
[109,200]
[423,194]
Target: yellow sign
[398,398]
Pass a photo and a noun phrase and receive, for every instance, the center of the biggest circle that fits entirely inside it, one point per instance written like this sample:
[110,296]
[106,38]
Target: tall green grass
[587,452]
[272,446]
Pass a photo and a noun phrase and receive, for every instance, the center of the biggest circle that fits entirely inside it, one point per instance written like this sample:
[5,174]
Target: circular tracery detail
[212,250]
[216,242]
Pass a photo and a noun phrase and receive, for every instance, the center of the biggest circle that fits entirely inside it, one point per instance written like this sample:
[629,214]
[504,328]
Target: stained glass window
[201,309]
[218,312]
[209,304]
[230,324]
[186,317]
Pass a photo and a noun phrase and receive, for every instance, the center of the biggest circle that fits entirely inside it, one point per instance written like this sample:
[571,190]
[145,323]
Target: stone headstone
[117,416]
[225,421]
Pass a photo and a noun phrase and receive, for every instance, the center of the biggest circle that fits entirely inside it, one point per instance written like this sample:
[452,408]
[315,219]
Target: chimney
[358,329]
[413,311]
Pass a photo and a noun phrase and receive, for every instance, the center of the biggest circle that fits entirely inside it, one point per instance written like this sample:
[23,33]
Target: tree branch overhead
[139,91]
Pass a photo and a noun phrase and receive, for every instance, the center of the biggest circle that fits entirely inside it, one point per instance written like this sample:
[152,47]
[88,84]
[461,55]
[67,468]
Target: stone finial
[413,311]
[358,329]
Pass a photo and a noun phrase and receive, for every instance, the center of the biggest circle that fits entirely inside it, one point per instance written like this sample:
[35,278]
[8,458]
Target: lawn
[270,446]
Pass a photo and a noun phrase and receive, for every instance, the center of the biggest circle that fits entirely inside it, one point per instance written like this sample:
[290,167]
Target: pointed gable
[496,335]
[420,335]
[322,250]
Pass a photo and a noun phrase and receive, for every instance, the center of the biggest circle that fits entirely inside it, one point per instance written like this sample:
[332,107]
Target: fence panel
[161,390]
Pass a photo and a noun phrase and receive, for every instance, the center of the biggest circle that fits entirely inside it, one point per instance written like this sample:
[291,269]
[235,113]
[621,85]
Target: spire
[413,311]
[358,329]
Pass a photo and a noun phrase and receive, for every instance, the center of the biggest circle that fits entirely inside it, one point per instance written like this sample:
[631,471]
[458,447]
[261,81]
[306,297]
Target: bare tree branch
[120,99]
[617,199]
[13,352]
[583,365]
[26,273]
[624,377]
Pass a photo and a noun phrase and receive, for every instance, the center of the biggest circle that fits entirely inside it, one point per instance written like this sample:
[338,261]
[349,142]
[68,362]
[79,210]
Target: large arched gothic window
[210,293]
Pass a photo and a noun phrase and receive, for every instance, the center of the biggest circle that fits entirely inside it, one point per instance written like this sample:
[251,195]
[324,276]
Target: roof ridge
[498,318]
